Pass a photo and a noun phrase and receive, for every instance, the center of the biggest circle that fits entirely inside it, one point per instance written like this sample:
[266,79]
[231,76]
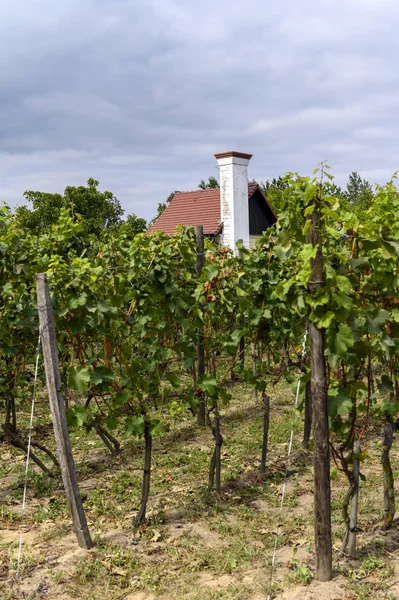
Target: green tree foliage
[99,210]
[359,193]
[132,226]
[273,190]
[5,215]
[211,184]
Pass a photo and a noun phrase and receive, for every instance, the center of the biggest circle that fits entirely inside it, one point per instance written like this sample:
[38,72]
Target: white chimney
[234,208]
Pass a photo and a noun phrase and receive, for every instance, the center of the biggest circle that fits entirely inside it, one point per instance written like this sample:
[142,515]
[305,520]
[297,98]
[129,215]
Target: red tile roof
[201,207]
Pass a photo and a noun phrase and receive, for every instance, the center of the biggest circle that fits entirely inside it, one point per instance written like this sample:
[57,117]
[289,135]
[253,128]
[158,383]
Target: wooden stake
[266,419]
[218,452]
[308,416]
[321,453]
[53,378]
[146,474]
[389,484]
[199,238]
[254,357]
[354,502]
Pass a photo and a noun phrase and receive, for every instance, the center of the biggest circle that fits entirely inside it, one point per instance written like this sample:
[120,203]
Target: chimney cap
[232,154]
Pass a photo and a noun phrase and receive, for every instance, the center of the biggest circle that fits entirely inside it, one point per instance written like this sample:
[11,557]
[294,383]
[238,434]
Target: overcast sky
[140,94]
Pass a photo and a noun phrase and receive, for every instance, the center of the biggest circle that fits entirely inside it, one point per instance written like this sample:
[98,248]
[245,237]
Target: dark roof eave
[257,187]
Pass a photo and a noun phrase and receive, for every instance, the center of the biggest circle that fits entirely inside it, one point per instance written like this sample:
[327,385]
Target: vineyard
[231,418]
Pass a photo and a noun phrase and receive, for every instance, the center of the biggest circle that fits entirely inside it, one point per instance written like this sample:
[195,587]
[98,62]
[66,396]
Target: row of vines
[132,316]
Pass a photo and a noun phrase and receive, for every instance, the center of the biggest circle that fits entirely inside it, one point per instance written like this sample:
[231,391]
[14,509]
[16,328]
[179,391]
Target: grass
[195,543]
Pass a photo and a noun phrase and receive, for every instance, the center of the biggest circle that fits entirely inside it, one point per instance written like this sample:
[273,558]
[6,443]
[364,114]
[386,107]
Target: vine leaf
[78,378]
[343,339]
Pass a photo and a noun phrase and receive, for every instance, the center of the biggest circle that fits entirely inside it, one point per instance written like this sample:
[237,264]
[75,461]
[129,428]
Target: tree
[359,193]
[211,184]
[99,210]
[133,225]
[5,214]
[274,192]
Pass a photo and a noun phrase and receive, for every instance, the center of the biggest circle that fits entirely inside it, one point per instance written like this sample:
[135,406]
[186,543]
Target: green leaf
[360,263]
[101,374]
[173,379]
[345,407]
[77,415]
[112,422]
[188,362]
[375,324]
[208,384]
[387,344]
[343,339]
[385,386]
[120,398]
[239,291]
[309,210]
[341,404]
[325,321]
[388,249]
[78,378]
[135,425]
[157,428]
[244,252]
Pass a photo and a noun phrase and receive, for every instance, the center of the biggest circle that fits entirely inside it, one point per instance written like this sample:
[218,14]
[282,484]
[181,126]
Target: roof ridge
[209,189]
[194,191]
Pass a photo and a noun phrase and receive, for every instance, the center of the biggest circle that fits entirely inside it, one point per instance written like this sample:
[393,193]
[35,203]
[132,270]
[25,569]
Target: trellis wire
[269,595]
[28,455]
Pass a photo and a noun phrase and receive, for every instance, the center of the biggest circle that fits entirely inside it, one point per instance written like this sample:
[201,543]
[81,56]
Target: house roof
[201,207]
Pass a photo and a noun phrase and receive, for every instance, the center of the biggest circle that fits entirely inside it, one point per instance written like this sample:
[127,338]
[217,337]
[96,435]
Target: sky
[141,94]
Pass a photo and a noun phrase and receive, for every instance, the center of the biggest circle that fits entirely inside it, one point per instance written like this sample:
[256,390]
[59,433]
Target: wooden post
[53,378]
[218,451]
[146,474]
[321,453]
[308,416]
[389,484]
[254,358]
[355,501]
[265,440]
[199,238]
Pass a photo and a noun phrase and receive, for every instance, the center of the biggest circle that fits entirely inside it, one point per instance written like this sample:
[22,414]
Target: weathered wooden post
[321,452]
[199,238]
[355,501]
[53,378]
[389,488]
[265,439]
[308,416]
[254,358]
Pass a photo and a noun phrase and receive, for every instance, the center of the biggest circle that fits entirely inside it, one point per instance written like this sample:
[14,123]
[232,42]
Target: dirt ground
[195,545]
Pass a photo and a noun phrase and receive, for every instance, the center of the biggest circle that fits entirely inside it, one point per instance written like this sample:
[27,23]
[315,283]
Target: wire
[28,455]
[269,595]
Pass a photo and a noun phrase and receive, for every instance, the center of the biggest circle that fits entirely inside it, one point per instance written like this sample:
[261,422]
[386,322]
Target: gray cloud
[140,95]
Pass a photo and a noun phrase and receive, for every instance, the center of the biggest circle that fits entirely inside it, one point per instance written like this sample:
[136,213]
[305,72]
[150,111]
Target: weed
[56,508]
[301,575]
[57,575]
[8,515]
[373,565]
[28,559]
[42,484]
